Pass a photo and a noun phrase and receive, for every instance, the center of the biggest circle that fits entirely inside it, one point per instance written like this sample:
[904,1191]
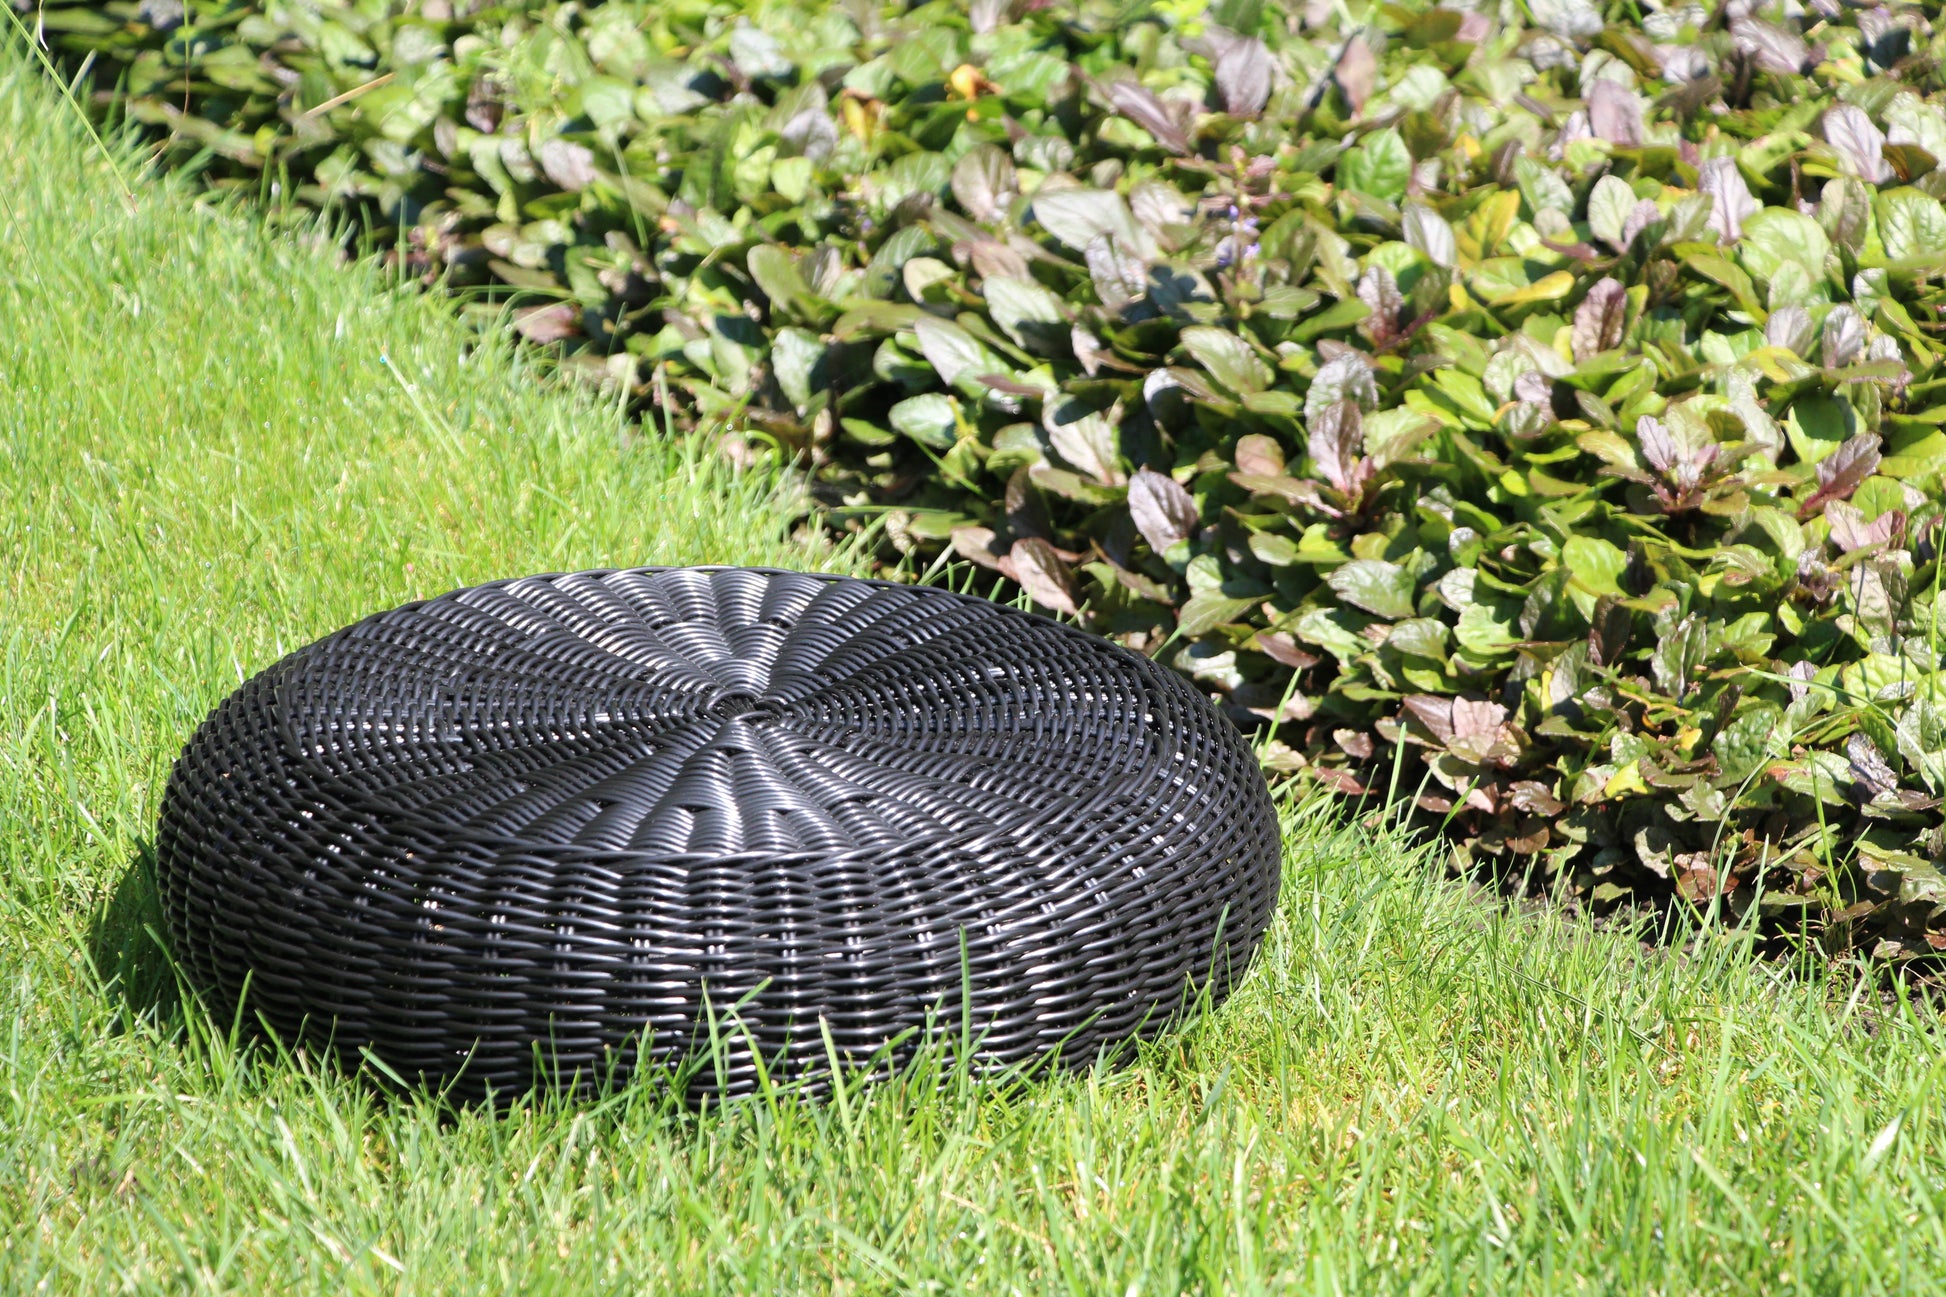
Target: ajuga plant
[1531,409]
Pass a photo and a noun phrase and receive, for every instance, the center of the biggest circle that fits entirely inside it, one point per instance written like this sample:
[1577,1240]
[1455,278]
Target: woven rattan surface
[518,833]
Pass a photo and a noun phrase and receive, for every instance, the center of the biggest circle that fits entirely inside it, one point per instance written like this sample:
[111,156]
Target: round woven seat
[550,829]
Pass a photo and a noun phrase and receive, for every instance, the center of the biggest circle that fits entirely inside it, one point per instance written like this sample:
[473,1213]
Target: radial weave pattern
[519,832]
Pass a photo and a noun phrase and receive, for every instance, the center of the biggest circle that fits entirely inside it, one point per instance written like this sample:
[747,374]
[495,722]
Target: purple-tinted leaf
[1844,337]
[1281,648]
[1599,319]
[1814,578]
[1379,291]
[1658,447]
[1039,570]
[1345,377]
[1574,128]
[1640,218]
[1840,472]
[1886,39]
[1427,232]
[1681,448]
[810,132]
[1730,198]
[1770,47]
[1682,63]
[1838,475]
[984,182]
[1302,492]
[985,15]
[1142,106]
[1164,512]
[1570,20]
[976,544]
[1859,143]
[1532,796]
[1087,349]
[485,105]
[1026,508]
[1260,456]
[1353,743]
[1615,114]
[1356,73]
[1850,532]
[569,165]
[1436,714]
[1868,766]
[1608,631]
[1120,276]
[1885,351]
[1334,439]
[1535,388]
[993,259]
[1475,718]
[1790,327]
[1243,77]
[550,323]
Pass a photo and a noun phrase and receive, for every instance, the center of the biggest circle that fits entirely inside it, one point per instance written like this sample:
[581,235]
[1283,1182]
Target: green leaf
[956,355]
[1421,637]
[1776,237]
[1911,223]
[1029,314]
[1609,207]
[965,250]
[931,419]
[1380,166]
[1334,630]
[1229,359]
[1380,588]
[1719,270]
[1205,610]
[794,357]
[1391,435]
[1077,216]
[1594,564]
[1679,656]
[1542,189]
[1818,425]
[1482,632]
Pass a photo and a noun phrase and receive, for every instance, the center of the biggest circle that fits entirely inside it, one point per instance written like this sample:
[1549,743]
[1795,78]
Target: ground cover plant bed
[215,447]
[1534,411]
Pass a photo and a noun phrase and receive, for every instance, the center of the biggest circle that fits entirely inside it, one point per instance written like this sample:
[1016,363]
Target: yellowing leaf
[1481,234]
[1548,288]
[1625,782]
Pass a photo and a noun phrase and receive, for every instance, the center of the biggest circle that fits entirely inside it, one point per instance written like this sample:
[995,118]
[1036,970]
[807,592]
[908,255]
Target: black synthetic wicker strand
[517,833]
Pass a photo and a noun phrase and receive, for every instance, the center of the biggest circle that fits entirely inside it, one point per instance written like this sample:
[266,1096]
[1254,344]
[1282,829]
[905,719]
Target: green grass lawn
[215,447]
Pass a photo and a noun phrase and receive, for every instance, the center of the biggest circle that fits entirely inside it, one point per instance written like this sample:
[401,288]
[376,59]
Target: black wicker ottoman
[543,831]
